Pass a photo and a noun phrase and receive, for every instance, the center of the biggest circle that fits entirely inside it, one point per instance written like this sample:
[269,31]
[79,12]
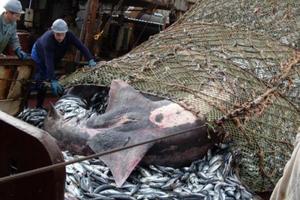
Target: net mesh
[241,81]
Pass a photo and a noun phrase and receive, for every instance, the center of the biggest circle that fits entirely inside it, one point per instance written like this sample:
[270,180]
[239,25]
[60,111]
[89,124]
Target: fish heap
[211,177]
[69,106]
[34,116]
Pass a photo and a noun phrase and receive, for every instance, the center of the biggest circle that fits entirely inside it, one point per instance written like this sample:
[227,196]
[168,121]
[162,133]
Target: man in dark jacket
[48,51]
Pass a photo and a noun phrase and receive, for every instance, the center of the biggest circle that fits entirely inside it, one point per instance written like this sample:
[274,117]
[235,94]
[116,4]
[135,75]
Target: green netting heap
[232,75]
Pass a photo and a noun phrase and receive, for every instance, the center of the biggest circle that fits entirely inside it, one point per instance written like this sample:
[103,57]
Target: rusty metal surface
[91,23]
[13,60]
[24,147]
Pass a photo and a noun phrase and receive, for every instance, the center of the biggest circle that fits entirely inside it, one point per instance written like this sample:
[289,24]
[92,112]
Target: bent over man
[48,51]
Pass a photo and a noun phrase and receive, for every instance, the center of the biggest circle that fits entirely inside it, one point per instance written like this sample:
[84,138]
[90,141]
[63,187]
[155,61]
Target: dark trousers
[40,88]
[40,77]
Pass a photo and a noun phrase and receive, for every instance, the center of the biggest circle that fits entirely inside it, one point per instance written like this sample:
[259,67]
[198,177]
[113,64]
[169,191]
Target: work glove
[21,54]
[56,88]
[92,63]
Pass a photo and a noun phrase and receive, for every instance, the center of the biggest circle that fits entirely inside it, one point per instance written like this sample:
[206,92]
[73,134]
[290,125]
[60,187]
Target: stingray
[132,118]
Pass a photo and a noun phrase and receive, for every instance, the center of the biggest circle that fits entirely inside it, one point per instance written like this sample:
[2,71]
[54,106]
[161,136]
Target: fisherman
[48,51]
[8,28]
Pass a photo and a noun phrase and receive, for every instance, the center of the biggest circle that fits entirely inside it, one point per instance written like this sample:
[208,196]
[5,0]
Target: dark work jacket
[50,52]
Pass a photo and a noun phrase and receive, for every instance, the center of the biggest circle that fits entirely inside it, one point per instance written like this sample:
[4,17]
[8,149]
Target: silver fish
[210,178]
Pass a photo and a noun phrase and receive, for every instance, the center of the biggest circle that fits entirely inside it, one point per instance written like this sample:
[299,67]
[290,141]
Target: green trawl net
[229,63]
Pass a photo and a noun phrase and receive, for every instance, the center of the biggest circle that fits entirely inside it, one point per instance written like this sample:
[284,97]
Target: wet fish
[34,117]
[160,182]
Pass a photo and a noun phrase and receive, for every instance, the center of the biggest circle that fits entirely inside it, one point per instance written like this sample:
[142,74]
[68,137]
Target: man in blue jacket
[8,28]
[48,51]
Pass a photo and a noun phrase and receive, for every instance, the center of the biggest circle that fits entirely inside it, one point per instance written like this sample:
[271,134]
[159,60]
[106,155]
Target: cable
[144,28]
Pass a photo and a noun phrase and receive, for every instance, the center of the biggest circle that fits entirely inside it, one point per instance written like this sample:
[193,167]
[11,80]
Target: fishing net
[242,82]
[277,18]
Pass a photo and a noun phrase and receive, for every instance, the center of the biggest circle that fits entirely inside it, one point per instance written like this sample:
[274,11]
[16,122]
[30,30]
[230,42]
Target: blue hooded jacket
[47,52]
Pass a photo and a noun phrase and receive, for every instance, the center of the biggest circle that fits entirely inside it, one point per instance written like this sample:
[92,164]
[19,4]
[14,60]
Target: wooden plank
[12,60]
[5,75]
[12,91]
[11,106]
[17,89]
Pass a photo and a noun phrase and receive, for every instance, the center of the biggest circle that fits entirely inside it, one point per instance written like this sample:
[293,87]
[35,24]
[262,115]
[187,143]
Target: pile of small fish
[211,177]
[99,101]
[69,106]
[35,117]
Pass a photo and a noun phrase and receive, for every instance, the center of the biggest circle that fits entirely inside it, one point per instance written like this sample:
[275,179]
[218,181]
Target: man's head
[13,11]
[59,28]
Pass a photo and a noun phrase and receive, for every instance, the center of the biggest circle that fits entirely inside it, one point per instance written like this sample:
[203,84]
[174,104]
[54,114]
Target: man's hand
[56,88]
[21,54]
[92,63]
